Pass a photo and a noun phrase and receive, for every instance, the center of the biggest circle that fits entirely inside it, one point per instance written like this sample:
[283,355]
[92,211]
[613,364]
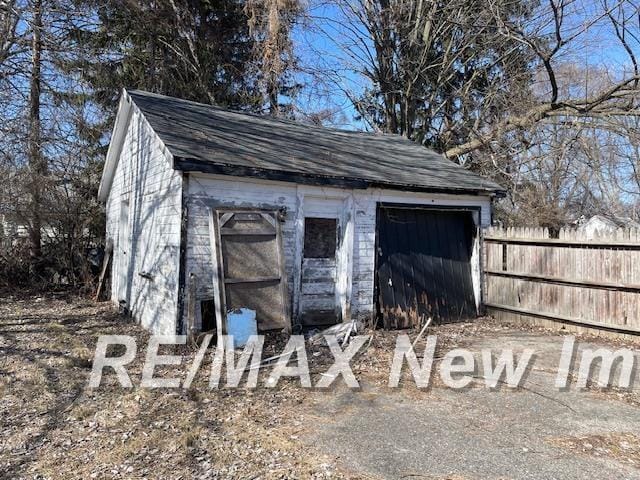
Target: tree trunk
[272,95]
[37,164]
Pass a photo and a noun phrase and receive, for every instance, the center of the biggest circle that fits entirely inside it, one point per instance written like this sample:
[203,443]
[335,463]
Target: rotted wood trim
[202,166]
[477,263]
[284,288]
[218,285]
[432,207]
[194,165]
[345,265]
[239,233]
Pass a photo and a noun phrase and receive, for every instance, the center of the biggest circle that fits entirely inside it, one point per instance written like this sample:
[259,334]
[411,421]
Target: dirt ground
[53,426]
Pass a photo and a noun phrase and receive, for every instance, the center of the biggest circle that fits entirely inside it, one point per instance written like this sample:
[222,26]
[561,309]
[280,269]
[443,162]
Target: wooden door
[318,303]
[250,266]
[424,266]
[124,245]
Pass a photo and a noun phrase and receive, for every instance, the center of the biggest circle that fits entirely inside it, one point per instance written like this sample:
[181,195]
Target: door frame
[345,217]
[476,266]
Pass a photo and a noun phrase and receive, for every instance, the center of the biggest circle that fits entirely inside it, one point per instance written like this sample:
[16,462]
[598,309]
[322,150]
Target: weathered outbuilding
[302,224]
[591,227]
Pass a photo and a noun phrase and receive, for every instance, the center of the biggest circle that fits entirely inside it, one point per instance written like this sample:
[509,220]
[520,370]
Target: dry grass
[623,447]
[53,426]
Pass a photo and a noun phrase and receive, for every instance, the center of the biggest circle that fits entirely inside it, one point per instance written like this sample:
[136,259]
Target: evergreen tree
[193,49]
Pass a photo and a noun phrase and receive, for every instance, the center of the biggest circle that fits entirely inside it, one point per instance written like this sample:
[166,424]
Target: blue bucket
[241,324]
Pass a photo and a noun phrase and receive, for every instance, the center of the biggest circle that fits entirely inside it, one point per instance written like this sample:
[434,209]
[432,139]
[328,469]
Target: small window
[320,237]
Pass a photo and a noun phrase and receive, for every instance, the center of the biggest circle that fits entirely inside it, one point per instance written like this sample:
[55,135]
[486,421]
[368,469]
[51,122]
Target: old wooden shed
[210,209]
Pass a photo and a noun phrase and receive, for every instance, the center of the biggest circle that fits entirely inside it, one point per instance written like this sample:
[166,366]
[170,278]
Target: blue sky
[317,44]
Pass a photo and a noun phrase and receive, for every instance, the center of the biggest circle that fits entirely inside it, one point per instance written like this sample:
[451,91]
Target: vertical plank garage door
[424,265]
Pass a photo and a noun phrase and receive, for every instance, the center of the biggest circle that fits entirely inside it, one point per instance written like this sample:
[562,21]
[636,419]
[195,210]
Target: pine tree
[197,50]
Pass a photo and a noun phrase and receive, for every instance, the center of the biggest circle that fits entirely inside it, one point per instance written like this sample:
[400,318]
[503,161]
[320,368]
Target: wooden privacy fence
[574,279]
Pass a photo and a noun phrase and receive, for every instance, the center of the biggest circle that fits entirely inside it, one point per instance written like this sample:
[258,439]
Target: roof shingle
[198,134]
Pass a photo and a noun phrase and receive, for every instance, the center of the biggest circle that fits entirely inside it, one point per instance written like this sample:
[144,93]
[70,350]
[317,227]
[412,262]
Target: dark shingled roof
[211,139]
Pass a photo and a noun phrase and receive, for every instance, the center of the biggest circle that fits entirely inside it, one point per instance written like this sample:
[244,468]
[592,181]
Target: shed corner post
[191,308]
[345,268]
[218,286]
[297,258]
[182,261]
[477,264]
[286,306]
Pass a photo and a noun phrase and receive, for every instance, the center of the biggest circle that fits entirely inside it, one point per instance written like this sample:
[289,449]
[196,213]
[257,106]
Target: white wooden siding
[144,174]
[206,192]
[213,190]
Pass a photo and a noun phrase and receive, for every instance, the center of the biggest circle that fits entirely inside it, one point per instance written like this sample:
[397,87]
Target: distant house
[300,224]
[14,231]
[602,223]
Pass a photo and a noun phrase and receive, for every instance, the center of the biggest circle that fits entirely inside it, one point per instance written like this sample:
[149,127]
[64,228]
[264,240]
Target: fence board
[593,282]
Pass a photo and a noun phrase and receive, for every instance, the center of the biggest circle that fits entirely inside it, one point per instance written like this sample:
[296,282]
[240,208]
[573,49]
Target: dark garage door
[423,266]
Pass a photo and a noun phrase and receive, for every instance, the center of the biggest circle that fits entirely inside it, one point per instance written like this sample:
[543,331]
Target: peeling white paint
[355,281]
[144,175]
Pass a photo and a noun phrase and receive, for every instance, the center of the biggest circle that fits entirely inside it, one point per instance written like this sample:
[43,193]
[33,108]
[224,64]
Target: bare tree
[460,75]
[562,168]
[37,164]
[541,95]
[38,105]
[21,47]
[9,36]
[435,71]
[551,182]
[548,36]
